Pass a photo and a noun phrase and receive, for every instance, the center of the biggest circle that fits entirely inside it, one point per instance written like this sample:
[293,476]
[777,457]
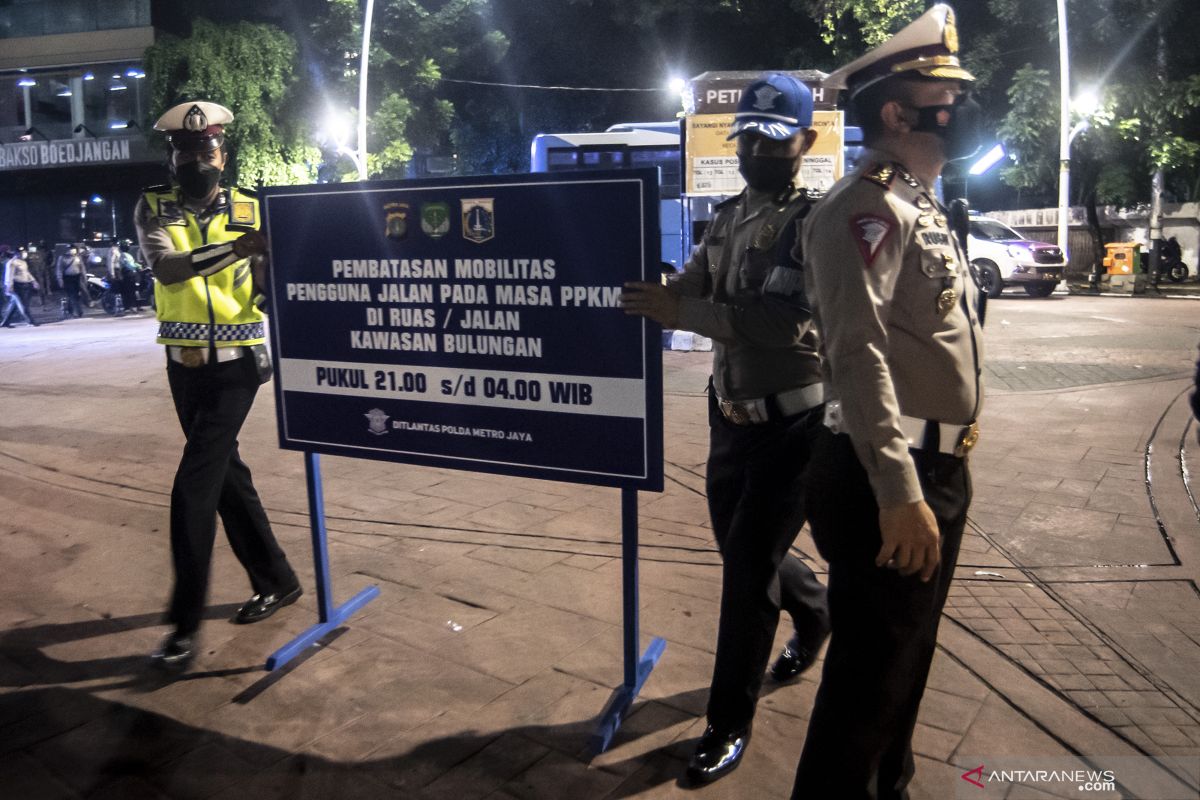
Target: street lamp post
[1064,130]
[361,160]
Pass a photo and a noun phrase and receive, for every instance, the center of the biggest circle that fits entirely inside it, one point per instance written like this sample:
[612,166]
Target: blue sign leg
[637,670]
[329,616]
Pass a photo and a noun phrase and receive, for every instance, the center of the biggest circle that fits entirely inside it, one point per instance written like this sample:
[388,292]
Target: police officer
[19,286]
[122,271]
[888,497]
[741,288]
[72,277]
[203,245]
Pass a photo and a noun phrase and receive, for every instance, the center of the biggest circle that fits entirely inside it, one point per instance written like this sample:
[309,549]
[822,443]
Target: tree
[413,46]
[1149,86]
[249,68]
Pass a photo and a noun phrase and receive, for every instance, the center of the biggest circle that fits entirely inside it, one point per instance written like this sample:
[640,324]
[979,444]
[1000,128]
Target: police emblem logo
[435,219]
[764,98]
[396,225]
[478,219]
[195,120]
[870,232]
[950,33]
[243,212]
[376,421]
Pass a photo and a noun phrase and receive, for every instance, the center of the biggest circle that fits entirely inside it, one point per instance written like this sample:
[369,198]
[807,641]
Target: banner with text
[470,323]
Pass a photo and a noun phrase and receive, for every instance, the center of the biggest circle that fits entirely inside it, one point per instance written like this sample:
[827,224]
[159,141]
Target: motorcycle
[1174,269]
[95,289]
[113,302]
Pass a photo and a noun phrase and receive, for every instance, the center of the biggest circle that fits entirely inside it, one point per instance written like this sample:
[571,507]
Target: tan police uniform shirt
[896,307]
[754,309]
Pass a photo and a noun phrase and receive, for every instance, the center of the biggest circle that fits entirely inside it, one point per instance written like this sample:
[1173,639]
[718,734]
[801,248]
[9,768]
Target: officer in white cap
[888,494]
[742,288]
[202,242]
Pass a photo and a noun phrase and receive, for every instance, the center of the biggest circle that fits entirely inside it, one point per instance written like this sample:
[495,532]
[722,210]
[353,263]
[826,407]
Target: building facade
[74,115]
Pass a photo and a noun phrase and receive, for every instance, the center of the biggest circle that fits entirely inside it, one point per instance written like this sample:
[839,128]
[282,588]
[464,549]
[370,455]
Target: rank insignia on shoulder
[169,210]
[923,203]
[881,174]
[242,212]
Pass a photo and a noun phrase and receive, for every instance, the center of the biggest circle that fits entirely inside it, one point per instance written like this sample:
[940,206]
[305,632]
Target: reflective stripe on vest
[217,308]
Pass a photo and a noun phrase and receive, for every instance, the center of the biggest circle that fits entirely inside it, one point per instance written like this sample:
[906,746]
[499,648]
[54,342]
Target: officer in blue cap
[743,288]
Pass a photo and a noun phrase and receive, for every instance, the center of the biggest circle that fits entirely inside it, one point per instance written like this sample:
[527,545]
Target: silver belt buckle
[734,412]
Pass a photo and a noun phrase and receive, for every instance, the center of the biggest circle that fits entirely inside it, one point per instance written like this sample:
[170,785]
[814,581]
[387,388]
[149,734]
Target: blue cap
[775,106]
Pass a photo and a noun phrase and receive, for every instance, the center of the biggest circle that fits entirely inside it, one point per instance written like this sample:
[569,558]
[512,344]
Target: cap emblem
[764,98]
[195,120]
[950,33]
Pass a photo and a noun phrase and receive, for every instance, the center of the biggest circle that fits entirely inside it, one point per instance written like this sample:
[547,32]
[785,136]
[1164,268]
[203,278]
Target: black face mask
[767,173]
[196,179]
[958,126]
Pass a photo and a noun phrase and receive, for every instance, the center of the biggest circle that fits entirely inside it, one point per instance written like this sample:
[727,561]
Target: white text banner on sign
[564,394]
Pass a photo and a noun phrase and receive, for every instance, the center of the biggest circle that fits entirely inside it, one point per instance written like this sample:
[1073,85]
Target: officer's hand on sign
[911,543]
[250,243]
[651,300]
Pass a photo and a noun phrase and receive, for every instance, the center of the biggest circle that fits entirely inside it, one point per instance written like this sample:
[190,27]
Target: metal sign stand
[329,616]
[637,670]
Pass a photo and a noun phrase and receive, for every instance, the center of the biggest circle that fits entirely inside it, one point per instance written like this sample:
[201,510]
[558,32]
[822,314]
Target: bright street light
[676,84]
[336,128]
[989,160]
[1086,103]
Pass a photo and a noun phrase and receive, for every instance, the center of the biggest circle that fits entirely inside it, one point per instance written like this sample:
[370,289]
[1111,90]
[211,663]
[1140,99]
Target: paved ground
[1073,632]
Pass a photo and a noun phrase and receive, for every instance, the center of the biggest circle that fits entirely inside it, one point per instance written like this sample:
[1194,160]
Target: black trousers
[756,502]
[212,402]
[859,742]
[74,294]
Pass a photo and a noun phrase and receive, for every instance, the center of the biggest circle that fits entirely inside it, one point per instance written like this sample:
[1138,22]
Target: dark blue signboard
[470,323]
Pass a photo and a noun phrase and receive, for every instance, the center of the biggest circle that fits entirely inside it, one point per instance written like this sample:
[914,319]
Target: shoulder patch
[881,174]
[869,232]
[243,212]
[247,192]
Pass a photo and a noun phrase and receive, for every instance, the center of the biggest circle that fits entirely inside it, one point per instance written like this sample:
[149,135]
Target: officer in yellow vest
[203,244]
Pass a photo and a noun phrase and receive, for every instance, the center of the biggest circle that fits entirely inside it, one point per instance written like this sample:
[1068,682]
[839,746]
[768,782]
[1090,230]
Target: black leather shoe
[717,754]
[793,661]
[262,606]
[175,653]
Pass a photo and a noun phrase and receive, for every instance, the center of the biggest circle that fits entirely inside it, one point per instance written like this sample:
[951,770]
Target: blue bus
[626,146]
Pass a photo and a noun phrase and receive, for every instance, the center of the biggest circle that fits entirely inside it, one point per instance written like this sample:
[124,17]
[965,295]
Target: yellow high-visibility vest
[217,308]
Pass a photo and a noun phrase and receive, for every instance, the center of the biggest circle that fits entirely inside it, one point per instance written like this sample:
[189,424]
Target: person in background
[72,277]
[19,286]
[40,270]
[743,288]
